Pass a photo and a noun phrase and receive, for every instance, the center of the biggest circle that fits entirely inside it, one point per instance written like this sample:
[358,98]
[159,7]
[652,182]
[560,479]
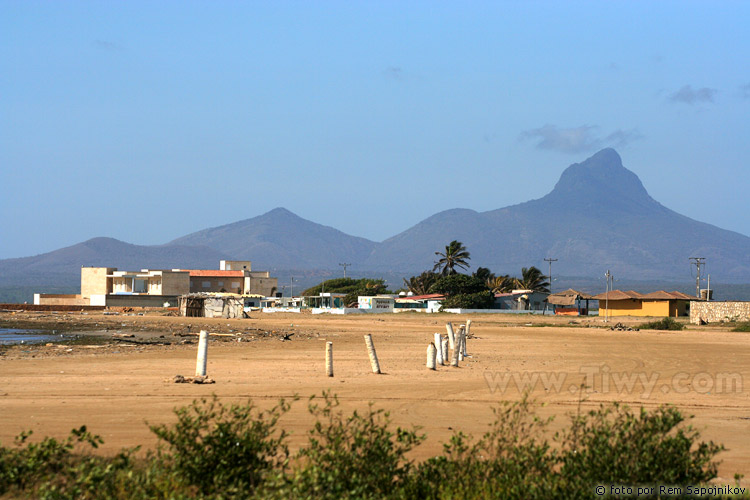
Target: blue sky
[145,121]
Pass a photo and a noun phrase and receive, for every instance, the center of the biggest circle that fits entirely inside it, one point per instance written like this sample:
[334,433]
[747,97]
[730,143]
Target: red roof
[216,273]
[422,297]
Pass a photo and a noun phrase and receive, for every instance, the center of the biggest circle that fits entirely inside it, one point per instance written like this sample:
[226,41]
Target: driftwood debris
[195,334]
[622,328]
[179,379]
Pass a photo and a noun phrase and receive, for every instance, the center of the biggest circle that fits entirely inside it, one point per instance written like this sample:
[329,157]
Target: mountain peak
[601,180]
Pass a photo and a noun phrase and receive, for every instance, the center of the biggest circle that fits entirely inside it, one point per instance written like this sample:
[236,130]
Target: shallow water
[10,336]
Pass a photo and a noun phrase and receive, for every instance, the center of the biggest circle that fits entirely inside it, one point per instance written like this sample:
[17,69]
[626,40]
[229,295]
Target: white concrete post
[438,349]
[468,332]
[373,355]
[444,348]
[329,359]
[451,335]
[461,338]
[454,354]
[431,354]
[200,365]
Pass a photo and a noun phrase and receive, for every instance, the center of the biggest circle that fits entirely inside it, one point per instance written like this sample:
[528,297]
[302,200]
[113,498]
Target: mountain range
[599,216]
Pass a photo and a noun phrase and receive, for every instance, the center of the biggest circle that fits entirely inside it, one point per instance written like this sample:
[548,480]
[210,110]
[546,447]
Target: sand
[116,387]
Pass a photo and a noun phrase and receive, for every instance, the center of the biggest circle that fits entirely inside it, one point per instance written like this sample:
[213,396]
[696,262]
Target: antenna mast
[344,265]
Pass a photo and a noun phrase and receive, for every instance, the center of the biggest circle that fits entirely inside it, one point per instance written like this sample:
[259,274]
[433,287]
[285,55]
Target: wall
[36,307]
[627,307]
[235,265]
[716,312]
[173,283]
[94,280]
[655,308]
[141,301]
[216,284]
[53,299]
[261,286]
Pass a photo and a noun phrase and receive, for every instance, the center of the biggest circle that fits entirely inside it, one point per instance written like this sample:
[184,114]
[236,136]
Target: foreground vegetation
[662,324]
[238,451]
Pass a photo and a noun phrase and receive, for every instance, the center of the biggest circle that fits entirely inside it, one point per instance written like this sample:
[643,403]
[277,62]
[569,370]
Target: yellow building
[631,303]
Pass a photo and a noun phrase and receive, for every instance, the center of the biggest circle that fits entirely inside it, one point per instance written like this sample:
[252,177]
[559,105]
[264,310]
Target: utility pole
[550,272]
[344,265]
[609,276]
[291,286]
[698,262]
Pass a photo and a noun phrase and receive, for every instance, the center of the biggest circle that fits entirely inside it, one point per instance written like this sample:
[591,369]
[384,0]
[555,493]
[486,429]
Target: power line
[550,272]
[698,262]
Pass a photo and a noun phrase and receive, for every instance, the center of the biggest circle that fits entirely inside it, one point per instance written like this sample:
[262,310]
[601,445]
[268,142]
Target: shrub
[479,300]
[355,456]
[217,451]
[662,324]
[511,460]
[227,449]
[742,327]
[614,445]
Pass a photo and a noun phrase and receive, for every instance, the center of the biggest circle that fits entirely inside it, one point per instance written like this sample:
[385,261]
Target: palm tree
[502,284]
[455,256]
[533,279]
[420,285]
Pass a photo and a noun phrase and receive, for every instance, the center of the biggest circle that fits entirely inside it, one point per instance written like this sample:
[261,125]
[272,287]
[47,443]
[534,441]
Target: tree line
[466,291]
[475,291]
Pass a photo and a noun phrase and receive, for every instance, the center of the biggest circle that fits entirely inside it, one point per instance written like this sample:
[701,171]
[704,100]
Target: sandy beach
[116,383]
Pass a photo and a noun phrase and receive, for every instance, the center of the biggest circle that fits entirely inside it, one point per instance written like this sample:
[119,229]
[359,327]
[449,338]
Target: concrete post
[451,335]
[373,355]
[461,339]
[200,365]
[329,359]
[438,349]
[444,349]
[468,332]
[431,354]
[454,357]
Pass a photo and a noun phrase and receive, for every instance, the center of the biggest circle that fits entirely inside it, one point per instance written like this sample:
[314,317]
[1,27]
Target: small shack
[521,300]
[569,302]
[212,305]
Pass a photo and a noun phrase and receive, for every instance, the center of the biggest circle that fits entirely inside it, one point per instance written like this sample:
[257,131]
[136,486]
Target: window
[206,284]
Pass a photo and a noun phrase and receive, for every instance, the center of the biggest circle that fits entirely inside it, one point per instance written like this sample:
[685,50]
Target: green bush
[742,327]
[227,449]
[662,324]
[479,300]
[616,446]
[354,456]
[511,460]
[216,451]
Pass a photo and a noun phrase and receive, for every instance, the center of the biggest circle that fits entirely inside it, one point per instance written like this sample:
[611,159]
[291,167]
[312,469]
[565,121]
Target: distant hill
[598,217]
[280,239]
[63,266]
